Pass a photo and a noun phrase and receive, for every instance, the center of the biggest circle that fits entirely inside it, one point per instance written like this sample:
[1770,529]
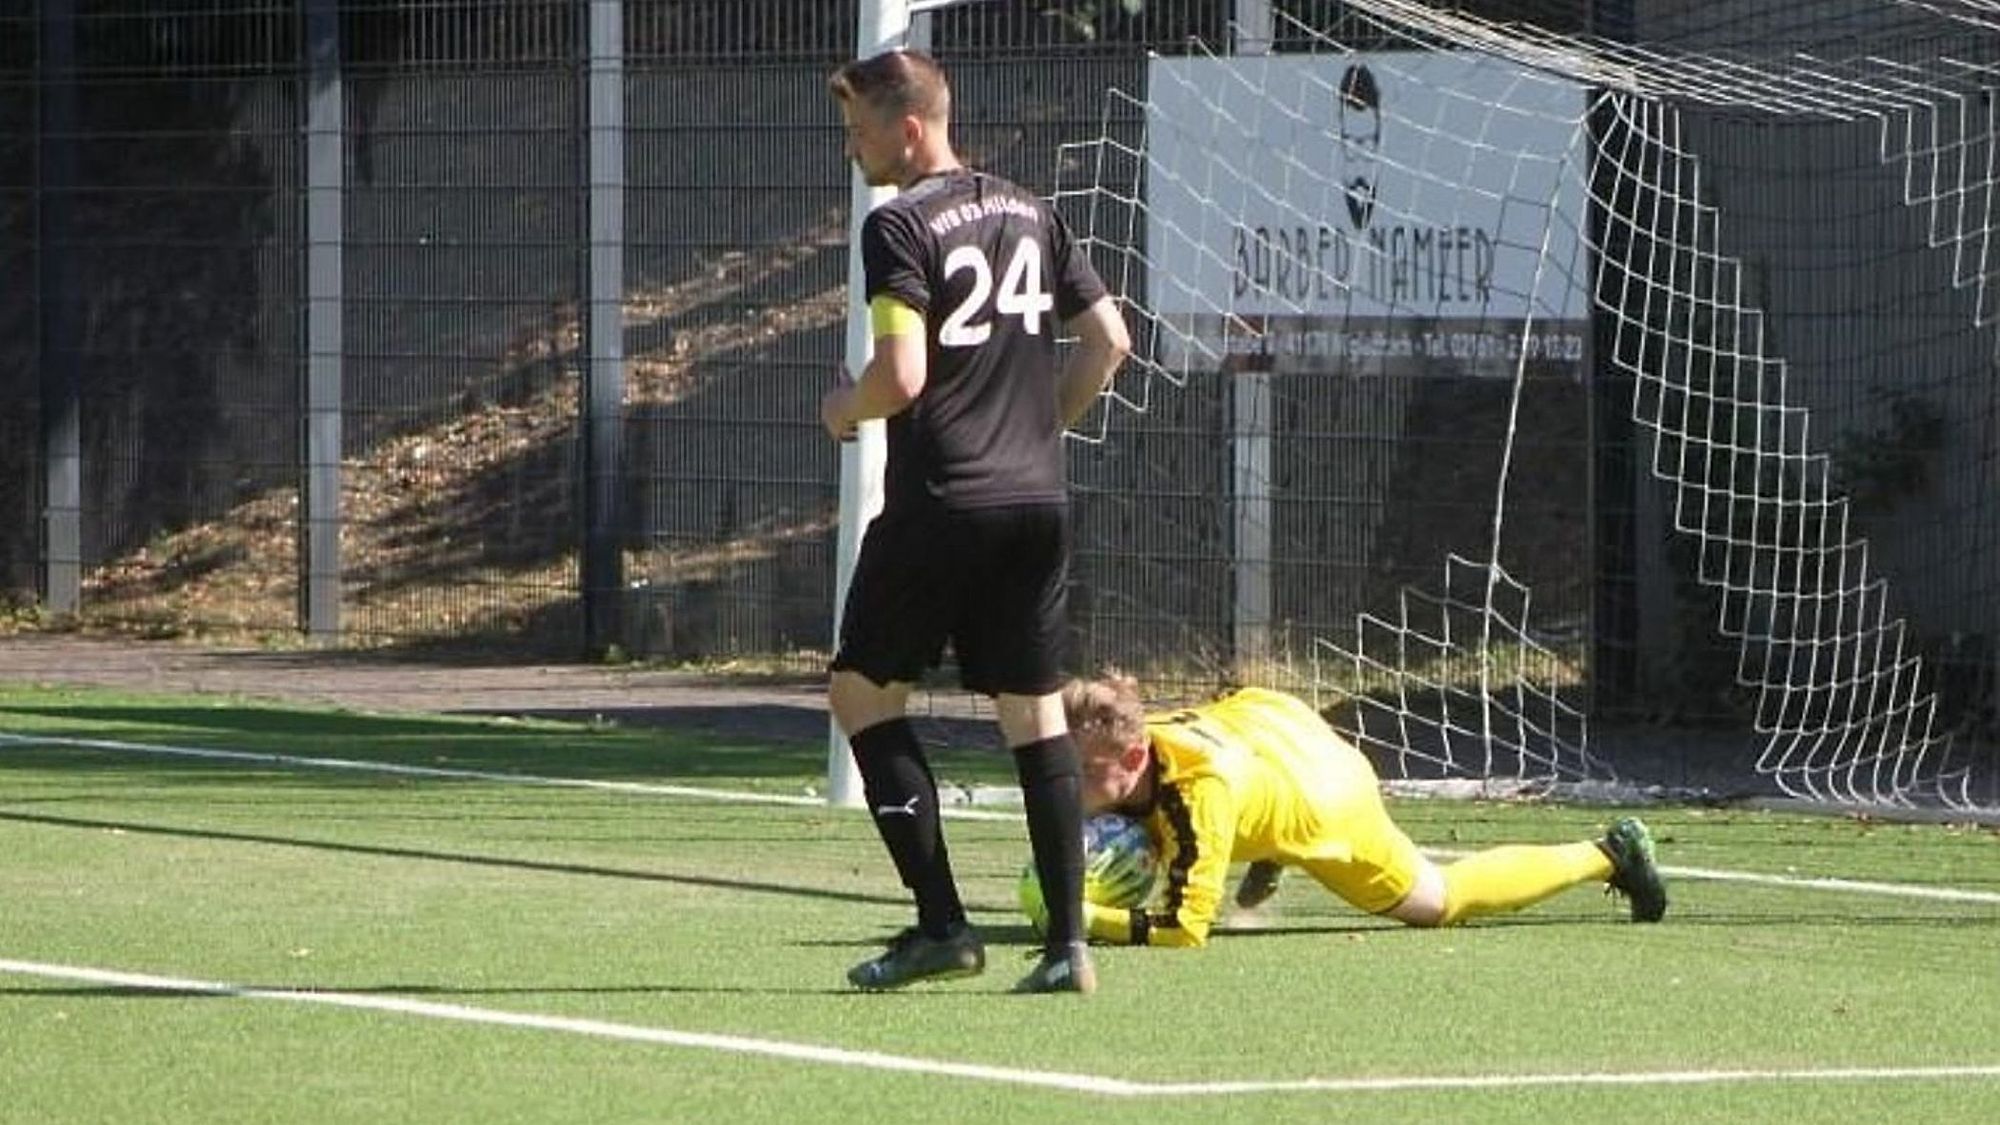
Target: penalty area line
[1015,1076]
[398,769]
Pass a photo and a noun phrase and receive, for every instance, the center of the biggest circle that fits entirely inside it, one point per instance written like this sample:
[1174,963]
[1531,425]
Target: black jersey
[994,273]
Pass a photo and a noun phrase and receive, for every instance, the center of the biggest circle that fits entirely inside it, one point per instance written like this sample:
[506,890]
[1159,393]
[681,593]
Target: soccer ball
[1120,864]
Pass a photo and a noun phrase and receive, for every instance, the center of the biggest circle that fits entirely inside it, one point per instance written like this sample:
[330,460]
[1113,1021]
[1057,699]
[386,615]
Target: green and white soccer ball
[1120,864]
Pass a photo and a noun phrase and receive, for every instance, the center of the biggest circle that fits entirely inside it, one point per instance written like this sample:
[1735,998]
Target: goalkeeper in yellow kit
[1259,777]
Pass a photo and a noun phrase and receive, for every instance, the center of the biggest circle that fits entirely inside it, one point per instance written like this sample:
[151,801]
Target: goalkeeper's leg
[1508,878]
[1498,881]
[1384,872]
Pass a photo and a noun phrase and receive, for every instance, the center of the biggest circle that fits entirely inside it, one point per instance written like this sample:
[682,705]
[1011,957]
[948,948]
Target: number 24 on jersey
[1020,294]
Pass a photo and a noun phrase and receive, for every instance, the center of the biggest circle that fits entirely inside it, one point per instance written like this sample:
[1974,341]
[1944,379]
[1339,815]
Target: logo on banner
[1359,123]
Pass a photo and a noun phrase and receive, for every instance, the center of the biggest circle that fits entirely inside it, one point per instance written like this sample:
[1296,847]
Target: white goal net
[1569,410]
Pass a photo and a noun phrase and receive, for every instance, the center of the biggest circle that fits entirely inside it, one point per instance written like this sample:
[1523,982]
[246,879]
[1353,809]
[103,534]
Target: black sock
[902,797]
[1051,788]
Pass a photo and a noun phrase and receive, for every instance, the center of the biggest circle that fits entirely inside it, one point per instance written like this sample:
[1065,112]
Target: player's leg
[1361,856]
[1050,770]
[1504,879]
[1498,881]
[891,629]
[1328,766]
[1372,866]
[1010,646]
[1383,871]
[859,703]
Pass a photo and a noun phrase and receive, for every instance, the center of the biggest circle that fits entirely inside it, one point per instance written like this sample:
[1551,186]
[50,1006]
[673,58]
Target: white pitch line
[1014,1076]
[1800,882]
[1852,886]
[601,1029]
[1585,1078]
[395,769]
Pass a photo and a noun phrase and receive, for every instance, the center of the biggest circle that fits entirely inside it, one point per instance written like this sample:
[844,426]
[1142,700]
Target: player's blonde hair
[895,83]
[1108,706]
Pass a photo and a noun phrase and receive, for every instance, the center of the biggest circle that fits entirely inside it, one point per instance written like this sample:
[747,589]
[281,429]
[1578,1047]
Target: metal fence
[165,452]
[161,469]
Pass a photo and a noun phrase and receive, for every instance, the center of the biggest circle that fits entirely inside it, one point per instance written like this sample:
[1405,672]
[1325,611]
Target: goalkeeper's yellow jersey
[1255,775]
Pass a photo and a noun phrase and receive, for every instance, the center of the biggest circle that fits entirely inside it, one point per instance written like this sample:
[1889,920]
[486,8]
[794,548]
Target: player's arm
[897,295]
[895,374]
[1089,314]
[1201,829]
[1196,854]
[1102,344]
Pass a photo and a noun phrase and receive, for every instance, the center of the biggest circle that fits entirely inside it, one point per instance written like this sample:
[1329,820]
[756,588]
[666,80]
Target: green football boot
[1634,874]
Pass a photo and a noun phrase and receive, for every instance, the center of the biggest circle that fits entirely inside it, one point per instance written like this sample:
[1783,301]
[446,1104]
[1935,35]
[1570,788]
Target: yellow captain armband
[889,317]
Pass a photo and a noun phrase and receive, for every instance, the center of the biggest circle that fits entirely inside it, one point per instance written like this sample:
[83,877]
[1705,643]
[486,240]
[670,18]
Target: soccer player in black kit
[969,281]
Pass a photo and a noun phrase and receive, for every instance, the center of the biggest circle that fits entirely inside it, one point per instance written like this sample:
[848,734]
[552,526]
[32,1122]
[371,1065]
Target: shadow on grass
[133,992]
[1020,933]
[790,890]
[130,992]
[636,753]
[761,721]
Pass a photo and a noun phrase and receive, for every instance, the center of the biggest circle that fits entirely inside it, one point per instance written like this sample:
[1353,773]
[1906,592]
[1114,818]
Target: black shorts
[992,581]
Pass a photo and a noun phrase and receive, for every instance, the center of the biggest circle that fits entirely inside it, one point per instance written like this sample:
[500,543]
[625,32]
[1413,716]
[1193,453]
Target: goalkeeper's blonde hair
[1107,706]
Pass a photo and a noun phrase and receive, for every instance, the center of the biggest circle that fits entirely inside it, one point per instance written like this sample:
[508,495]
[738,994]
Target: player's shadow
[413,991]
[593,870]
[375,743]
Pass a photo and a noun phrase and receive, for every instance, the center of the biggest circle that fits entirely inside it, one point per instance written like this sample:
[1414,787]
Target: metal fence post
[603,397]
[325,309]
[61,327]
[1250,446]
